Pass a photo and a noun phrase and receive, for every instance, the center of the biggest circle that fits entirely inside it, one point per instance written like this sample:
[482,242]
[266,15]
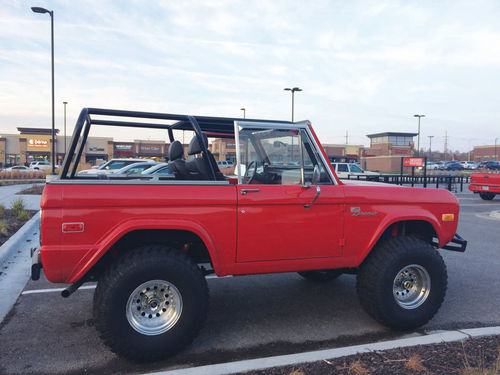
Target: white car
[351,170]
[40,165]
[469,164]
[113,166]
[18,168]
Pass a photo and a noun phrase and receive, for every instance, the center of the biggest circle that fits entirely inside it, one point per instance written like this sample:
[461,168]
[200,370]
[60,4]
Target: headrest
[175,151]
[195,147]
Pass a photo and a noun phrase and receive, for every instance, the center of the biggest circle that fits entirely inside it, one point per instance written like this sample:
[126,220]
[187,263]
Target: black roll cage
[222,127]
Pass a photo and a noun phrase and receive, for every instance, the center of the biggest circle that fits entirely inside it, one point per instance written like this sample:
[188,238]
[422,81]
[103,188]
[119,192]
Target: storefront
[123,150]
[35,144]
[98,149]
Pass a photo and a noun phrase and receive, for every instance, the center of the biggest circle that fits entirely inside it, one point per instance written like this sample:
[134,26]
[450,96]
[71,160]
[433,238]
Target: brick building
[486,153]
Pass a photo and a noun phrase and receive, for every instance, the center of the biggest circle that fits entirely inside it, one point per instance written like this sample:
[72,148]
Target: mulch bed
[13,222]
[34,190]
[480,356]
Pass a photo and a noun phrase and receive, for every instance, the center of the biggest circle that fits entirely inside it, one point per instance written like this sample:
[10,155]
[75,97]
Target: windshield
[355,168]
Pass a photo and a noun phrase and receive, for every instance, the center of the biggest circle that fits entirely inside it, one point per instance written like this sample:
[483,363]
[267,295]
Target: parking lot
[254,316]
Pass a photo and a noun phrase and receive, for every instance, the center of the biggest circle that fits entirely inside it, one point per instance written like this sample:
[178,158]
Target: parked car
[469,164]
[19,168]
[453,166]
[486,184]
[482,164]
[40,165]
[160,168]
[113,166]
[135,168]
[351,170]
[150,244]
[223,164]
[493,165]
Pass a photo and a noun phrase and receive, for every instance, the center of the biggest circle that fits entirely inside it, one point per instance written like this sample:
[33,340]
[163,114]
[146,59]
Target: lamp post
[496,158]
[244,112]
[293,96]
[418,139]
[51,13]
[430,146]
[65,127]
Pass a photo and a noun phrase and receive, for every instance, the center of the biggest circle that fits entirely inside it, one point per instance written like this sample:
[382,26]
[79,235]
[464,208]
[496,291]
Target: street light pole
[51,13]
[65,127]
[496,158]
[418,139]
[293,96]
[430,146]
[244,112]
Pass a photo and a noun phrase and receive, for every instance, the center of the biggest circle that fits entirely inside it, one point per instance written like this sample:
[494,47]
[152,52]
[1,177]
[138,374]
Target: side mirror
[316,177]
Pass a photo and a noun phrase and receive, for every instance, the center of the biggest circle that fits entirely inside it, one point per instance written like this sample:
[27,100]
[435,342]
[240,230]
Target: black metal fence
[450,182]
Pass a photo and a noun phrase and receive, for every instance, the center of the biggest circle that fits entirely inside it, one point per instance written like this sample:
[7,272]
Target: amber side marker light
[448,217]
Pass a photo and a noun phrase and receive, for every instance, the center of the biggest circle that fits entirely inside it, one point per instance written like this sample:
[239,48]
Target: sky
[364,66]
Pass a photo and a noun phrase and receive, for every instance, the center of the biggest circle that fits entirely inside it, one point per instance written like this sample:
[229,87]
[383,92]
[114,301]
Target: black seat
[197,166]
[176,163]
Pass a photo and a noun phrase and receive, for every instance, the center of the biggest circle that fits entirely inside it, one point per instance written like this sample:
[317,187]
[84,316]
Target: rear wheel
[487,196]
[151,303]
[402,283]
[321,275]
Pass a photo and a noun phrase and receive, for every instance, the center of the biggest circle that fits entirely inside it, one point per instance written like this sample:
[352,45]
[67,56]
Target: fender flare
[413,215]
[110,238]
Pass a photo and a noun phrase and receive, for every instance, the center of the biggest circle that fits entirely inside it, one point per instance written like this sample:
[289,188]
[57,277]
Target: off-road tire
[376,282]
[320,275]
[487,196]
[117,285]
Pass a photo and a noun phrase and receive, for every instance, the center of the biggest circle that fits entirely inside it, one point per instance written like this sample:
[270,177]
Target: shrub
[17,207]
[24,216]
[4,227]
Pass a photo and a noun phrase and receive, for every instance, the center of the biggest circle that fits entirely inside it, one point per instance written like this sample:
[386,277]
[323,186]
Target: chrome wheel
[411,286]
[154,307]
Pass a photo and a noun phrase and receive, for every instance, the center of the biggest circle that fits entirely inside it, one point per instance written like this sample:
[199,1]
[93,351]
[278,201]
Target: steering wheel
[250,172]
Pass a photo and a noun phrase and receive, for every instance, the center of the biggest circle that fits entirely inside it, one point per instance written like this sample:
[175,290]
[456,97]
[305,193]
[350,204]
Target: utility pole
[346,137]
[244,112]
[65,127]
[430,146]
[445,144]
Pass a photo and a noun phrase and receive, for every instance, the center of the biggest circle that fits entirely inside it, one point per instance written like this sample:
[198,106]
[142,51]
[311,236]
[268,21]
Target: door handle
[245,191]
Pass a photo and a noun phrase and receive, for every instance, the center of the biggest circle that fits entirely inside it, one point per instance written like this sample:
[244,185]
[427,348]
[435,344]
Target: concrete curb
[15,241]
[293,359]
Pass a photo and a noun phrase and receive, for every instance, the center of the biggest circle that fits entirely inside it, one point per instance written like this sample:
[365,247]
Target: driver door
[274,220]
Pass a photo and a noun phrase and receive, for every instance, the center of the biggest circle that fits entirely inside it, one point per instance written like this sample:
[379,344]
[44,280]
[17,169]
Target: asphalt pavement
[254,316]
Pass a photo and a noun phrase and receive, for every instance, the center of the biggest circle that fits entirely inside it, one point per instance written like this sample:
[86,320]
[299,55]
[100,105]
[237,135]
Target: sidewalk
[8,196]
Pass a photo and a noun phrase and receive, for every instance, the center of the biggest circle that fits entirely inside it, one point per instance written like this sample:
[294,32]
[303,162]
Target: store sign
[413,162]
[96,149]
[150,149]
[42,143]
[123,147]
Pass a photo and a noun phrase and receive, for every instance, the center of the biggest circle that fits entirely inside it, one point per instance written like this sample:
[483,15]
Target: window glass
[276,156]
[342,168]
[355,168]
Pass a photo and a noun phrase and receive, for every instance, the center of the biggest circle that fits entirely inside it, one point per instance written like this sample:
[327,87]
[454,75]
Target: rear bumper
[485,188]
[456,244]
[36,264]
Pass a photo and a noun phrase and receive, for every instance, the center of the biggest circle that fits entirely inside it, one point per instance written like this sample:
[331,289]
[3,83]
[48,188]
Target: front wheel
[402,283]
[151,303]
[487,196]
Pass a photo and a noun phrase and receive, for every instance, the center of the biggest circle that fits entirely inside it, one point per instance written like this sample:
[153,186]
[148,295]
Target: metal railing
[449,182]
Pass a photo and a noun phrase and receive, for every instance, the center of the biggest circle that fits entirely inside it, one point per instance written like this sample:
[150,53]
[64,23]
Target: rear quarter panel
[109,211]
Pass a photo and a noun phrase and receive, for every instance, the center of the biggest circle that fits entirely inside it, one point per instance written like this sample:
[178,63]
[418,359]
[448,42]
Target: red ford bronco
[150,240]
[486,184]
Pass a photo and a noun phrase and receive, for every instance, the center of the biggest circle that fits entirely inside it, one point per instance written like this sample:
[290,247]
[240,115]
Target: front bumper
[456,244]
[36,264]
